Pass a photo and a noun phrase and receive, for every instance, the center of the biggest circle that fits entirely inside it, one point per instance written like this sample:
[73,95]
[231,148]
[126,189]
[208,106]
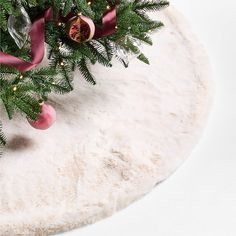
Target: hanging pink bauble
[80,29]
[45,119]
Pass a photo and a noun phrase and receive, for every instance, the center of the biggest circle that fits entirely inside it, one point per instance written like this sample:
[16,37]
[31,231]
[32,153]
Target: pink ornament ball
[45,119]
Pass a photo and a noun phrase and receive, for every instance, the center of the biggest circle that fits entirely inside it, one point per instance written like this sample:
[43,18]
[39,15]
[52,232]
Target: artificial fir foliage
[2,139]
[21,91]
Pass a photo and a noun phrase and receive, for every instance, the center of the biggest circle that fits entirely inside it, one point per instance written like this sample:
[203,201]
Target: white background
[200,198]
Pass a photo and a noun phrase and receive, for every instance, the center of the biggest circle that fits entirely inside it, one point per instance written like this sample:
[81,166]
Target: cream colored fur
[112,143]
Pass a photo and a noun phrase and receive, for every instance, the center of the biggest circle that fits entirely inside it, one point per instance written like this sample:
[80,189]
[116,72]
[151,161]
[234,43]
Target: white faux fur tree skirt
[112,143]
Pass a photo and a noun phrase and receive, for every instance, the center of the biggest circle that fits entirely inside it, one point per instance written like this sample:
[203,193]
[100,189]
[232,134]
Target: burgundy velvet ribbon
[108,24]
[37,36]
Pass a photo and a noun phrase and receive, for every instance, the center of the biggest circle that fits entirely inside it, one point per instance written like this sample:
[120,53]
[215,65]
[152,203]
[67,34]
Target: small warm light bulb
[41,102]
[14,88]
[58,47]
[89,3]
[21,77]
[108,7]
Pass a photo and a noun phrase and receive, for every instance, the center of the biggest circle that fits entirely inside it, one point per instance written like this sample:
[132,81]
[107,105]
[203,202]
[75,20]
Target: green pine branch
[2,136]
[21,92]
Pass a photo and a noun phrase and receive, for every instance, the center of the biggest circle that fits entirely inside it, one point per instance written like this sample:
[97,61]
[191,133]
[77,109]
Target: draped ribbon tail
[108,24]
[37,36]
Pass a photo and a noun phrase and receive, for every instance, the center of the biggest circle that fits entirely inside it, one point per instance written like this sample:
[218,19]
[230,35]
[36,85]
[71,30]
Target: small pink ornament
[45,119]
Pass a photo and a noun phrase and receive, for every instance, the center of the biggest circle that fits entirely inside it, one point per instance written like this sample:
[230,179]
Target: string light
[41,102]
[58,47]
[14,88]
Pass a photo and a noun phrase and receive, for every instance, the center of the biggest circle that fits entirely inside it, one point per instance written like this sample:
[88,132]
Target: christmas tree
[78,34]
